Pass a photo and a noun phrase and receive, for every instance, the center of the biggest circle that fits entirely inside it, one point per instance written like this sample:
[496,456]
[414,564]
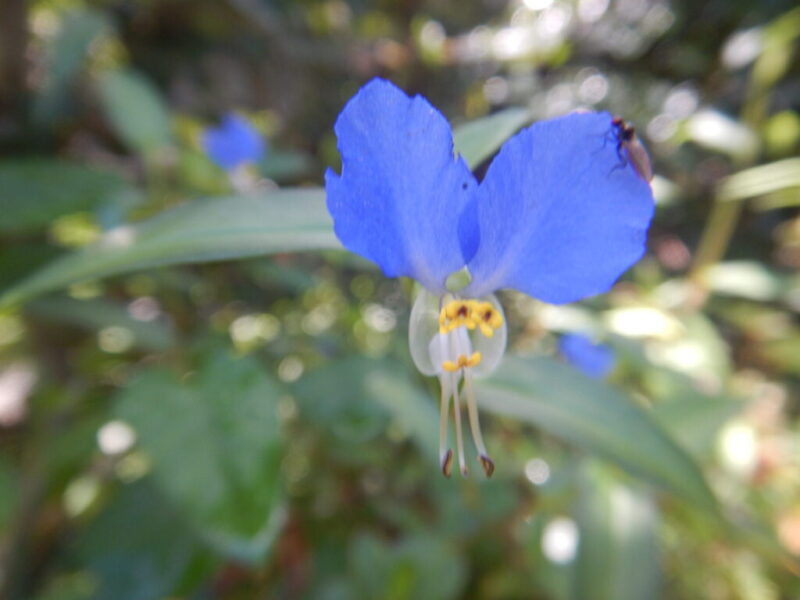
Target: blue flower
[235,142]
[595,360]
[558,216]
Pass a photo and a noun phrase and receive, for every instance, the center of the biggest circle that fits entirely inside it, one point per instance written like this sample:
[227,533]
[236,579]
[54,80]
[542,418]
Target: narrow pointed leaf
[597,418]
[136,110]
[200,231]
[618,554]
[36,191]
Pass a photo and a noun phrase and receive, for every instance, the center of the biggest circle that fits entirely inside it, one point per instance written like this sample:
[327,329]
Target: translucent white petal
[441,349]
[423,327]
[429,349]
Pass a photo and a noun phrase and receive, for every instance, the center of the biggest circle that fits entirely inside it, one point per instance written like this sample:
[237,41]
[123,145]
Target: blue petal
[596,360]
[233,143]
[400,196]
[562,214]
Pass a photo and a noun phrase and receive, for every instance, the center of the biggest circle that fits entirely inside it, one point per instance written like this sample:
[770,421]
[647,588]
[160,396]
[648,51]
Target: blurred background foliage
[201,396]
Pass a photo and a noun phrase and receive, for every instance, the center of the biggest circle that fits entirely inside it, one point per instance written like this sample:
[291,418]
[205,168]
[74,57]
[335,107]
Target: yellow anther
[470,314]
[488,318]
[461,362]
[474,360]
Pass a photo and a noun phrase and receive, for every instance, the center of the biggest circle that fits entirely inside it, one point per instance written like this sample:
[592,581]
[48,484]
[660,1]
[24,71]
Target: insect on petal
[629,144]
[558,220]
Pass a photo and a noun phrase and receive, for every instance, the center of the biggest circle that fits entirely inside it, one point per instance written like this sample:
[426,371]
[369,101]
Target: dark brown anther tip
[487,464]
[447,463]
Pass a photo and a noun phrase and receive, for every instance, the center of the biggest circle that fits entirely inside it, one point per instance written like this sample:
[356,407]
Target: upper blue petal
[233,143]
[562,214]
[400,196]
[596,360]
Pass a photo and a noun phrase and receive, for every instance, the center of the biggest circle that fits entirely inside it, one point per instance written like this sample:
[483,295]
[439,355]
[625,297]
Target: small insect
[634,152]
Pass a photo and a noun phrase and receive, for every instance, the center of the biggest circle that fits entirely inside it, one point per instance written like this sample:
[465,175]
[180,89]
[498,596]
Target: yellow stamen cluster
[470,314]
[463,361]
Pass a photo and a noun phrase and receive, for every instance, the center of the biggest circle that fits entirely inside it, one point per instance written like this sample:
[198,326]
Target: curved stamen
[462,462]
[445,453]
[463,345]
[454,381]
[475,425]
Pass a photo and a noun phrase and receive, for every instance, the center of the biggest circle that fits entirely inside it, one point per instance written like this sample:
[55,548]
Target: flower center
[456,357]
[457,339]
[470,314]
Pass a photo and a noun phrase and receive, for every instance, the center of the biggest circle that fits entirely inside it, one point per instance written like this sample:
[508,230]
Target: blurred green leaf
[35,191]
[415,567]
[597,418]
[414,411]
[618,552]
[334,396]
[778,50]
[9,492]
[21,259]
[95,314]
[352,398]
[478,140]
[216,448]
[66,54]
[138,548]
[761,181]
[694,420]
[70,586]
[135,110]
[201,231]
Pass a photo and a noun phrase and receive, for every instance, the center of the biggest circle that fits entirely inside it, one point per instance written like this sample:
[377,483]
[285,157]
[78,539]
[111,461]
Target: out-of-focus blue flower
[596,360]
[233,143]
[557,216]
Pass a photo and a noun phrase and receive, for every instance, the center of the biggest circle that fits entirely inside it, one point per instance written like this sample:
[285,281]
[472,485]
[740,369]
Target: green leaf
[761,181]
[355,409]
[420,566]
[9,493]
[33,192]
[201,231]
[216,448]
[695,420]
[138,547]
[66,55]
[597,418]
[478,140]
[23,258]
[618,553]
[412,410]
[136,110]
